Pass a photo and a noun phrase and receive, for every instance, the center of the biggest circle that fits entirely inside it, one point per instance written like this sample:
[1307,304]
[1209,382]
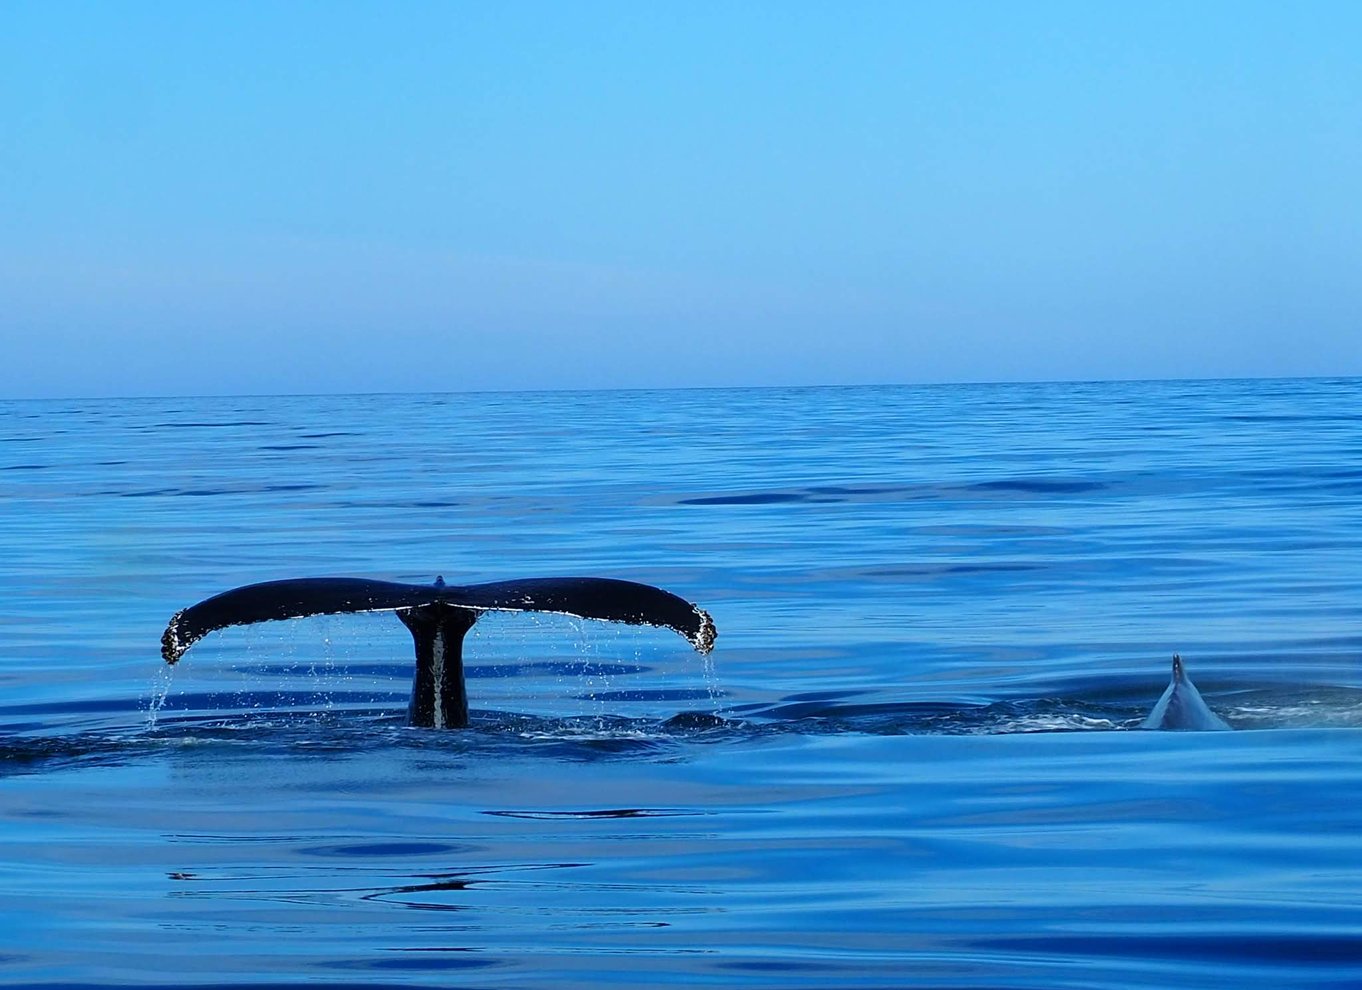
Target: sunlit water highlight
[911,762]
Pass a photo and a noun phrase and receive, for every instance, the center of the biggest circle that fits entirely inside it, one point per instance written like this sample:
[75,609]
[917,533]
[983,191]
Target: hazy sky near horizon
[210,198]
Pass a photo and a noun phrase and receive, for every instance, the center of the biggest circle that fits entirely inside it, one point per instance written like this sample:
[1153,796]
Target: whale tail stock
[1181,707]
[438,616]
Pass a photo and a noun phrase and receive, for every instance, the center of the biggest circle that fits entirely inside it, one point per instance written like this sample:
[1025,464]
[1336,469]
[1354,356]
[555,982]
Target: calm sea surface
[942,613]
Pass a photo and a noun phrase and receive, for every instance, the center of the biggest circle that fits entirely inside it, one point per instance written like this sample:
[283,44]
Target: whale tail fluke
[295,598]
[438,615]
[1181,708]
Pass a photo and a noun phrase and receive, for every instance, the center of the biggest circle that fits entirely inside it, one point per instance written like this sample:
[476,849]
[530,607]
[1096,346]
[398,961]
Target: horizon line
[685,388]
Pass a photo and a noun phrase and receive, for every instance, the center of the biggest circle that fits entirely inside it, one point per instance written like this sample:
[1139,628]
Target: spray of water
[160,691]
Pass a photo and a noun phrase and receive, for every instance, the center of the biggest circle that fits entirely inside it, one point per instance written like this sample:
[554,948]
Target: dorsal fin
[1181,708]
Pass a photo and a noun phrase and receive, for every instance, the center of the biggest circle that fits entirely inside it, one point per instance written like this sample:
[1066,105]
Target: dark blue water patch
[202,492]
[505,507]
[207,426]
[72,706]
[834,494]
[1235,949]
[792,965]
[598,813]
[820,495]
[289,446]
[1038,486]
[386,850]
[326,436]
[23,728]
[25,467]
[757,498]
[417,959]
[211,492]
[41,753]
[418,896]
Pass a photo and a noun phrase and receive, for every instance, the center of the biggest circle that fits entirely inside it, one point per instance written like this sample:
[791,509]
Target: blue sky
[210,198]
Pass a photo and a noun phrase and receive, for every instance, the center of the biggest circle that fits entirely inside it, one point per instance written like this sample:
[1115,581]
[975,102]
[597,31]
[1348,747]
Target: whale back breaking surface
[1181,708]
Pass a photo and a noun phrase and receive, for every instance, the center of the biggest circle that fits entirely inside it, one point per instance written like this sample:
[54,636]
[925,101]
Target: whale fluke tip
[706,634]
[173,641]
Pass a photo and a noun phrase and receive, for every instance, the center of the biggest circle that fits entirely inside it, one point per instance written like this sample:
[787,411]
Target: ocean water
[911,761]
